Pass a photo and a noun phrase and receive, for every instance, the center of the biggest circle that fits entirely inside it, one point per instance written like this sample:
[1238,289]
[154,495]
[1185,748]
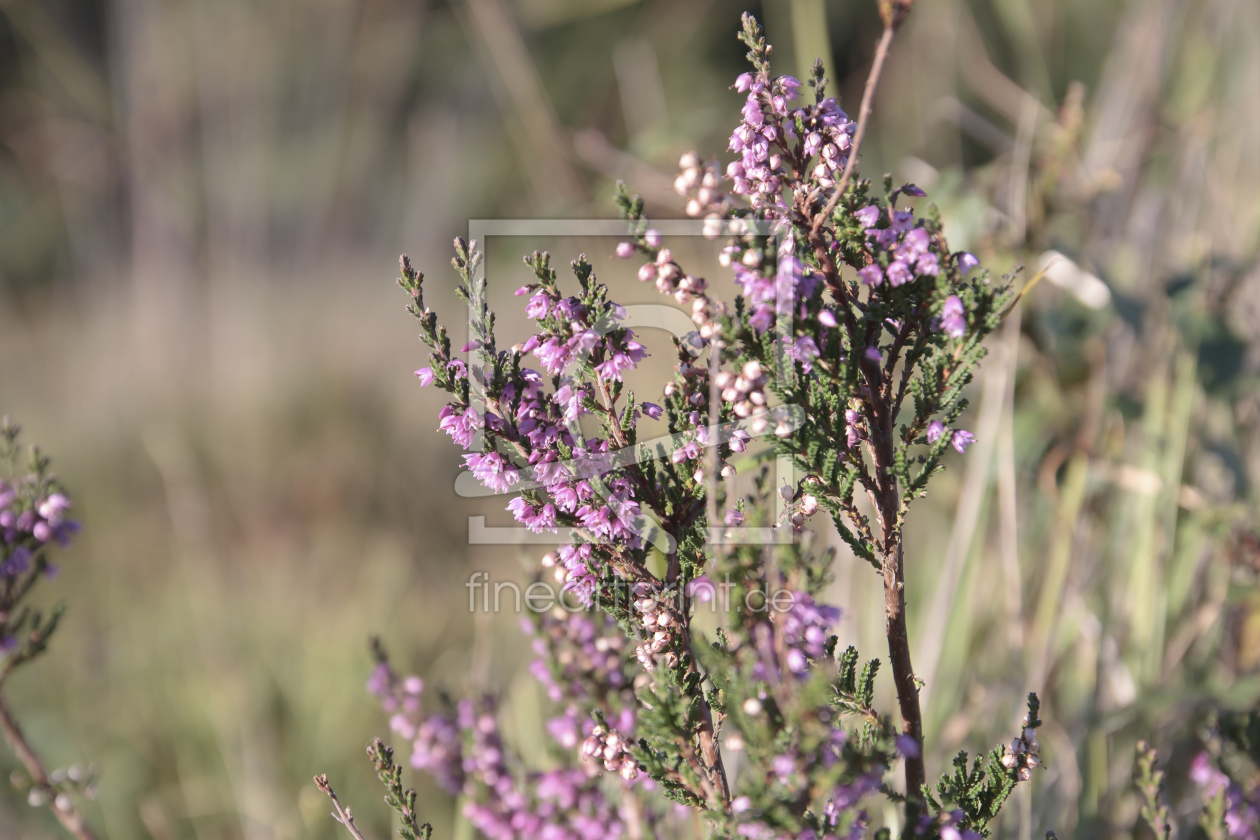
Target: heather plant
[33,521]
[851,335]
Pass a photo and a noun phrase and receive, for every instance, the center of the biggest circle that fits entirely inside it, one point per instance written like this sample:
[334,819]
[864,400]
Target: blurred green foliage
[200,207]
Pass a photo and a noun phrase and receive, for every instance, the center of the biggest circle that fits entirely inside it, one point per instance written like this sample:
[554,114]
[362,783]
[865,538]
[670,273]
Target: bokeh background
[201,206]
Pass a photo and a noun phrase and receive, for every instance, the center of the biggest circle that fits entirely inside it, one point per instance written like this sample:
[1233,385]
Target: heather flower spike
[841,341]
[34,520]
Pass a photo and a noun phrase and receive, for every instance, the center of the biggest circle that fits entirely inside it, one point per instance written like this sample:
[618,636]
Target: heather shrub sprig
[33,521]
[845,349]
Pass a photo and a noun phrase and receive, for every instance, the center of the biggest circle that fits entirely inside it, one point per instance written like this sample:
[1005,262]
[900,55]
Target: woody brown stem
[70,818]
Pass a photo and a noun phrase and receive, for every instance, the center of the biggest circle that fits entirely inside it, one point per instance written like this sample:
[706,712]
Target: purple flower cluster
[45,520]
[804,627]
[960,439]
[1242,809]
[770,151]
[789,773]
[902,250]
[579,657]
[465,754]
[29,520]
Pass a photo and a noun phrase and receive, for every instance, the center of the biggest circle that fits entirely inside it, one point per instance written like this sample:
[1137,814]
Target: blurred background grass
[200,208]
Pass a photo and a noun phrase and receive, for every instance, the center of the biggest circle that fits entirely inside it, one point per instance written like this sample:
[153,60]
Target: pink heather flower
[492,470]
[903,220]
[739,440]
[934,431]
[523,290]
[803,350]
[619,361]
[652,410]
[425,375]
[953,317]
[915,243]
[898,274]
[868,215]
[961,440]
[911,189]
[852,432]
[461,427]
[873,355]
[625,250]
[927,264]
[537,307]
[827,318]
[733,517]
[872,275]
[583,343]
[54,507]
[885,238]
[967,261]
[553,355]
[701,589]
[653,238]
[743,82]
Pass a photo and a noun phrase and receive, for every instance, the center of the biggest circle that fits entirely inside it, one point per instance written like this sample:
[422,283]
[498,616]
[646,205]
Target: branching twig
[341,815]
[69,817]
[893,13]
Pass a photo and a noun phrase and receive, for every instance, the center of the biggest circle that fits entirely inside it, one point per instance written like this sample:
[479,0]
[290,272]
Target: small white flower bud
[728,471]
[549,560]
[751,258]
[670,388]
[753,371]
[752,706]
[1023,774]
[1009,761]
[759,424]
[689,160]
[1032,760]
[783,429]
[786,492]
[629,771]
[664,256]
